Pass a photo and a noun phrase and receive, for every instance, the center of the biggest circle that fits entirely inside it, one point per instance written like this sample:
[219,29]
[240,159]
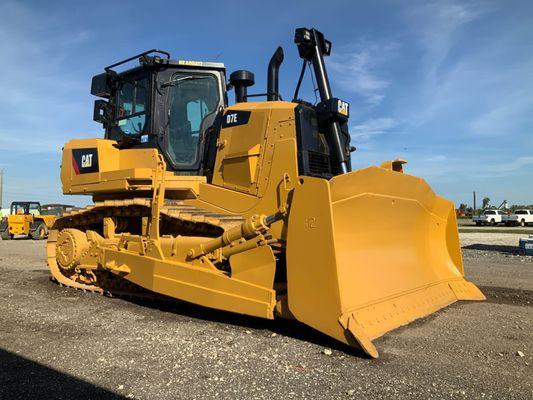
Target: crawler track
[176,219]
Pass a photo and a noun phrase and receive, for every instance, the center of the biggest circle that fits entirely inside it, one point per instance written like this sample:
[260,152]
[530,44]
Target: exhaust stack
[273,75]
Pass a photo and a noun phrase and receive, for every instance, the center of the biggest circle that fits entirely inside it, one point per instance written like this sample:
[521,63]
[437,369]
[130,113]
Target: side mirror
[100,112]
[103,84]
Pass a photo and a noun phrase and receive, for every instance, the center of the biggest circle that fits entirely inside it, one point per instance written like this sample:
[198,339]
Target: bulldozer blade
[370,251]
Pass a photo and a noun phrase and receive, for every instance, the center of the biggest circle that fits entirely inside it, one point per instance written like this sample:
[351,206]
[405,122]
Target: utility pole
[1,187]
[474,202]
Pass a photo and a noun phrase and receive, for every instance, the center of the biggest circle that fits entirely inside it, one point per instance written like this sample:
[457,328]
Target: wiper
[174,82]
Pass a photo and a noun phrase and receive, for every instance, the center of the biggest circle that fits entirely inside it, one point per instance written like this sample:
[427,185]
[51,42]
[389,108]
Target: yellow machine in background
[251,208]
[26,218]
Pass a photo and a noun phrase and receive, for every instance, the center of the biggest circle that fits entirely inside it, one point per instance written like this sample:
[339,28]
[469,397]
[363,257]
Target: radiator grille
[318,163]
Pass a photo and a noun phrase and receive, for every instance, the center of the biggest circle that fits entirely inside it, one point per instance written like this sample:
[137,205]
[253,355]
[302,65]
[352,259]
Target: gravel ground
[60,343]
[491,239]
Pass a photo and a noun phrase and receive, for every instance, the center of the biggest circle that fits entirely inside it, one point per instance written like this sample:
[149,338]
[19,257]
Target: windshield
[490,212]
[191,99]
[132,99]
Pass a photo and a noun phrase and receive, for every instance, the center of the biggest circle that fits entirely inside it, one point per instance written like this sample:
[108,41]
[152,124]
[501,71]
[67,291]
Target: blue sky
[446,85]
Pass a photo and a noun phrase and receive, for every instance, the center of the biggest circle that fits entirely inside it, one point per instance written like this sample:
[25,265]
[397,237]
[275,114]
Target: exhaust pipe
[273,75]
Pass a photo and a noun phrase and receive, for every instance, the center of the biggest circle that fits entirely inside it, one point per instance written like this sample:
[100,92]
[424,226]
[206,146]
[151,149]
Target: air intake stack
[241,80]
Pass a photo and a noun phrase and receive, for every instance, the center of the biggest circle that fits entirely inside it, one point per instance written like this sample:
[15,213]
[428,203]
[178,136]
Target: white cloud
[359,69]
[511,107]
[371,127]
[464,104]
[437,26]
[44,103]
[505,168]
[437,29]
[477,171]
[39,80]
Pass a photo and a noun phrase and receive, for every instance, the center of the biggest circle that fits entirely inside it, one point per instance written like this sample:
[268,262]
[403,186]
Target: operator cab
[176,106]
[25,208]
[162,103]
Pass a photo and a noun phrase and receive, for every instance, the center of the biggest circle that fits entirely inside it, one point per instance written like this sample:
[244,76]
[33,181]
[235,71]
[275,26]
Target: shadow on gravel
[21,378]
[493,247]
[284,327]
[500,295]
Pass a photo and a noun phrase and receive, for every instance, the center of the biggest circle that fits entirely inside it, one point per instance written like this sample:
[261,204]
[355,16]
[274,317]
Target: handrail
[166,53]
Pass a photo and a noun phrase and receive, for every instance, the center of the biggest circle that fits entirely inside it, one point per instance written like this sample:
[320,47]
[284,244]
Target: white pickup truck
[519,217]
[489,217]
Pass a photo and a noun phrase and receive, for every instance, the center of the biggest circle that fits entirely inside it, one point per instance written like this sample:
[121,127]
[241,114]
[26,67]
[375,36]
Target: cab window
[25,208]
[132,104]
[192,98]
[34,209]
[17,209]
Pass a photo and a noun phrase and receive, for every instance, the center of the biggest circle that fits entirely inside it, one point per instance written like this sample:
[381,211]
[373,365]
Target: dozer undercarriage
[251,208]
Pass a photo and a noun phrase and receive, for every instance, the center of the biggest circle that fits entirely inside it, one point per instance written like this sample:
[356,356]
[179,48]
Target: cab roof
[156,58]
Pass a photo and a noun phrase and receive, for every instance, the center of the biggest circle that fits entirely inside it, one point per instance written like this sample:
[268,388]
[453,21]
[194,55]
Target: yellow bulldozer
[251,208]
[26,218]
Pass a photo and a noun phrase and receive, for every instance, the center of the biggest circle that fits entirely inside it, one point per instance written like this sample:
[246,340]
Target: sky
[446,85]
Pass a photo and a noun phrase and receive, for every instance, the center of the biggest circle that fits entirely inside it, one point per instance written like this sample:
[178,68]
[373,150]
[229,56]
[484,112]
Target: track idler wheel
[71,246]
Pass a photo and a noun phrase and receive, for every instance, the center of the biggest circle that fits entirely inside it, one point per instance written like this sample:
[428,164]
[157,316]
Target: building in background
[57,209]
